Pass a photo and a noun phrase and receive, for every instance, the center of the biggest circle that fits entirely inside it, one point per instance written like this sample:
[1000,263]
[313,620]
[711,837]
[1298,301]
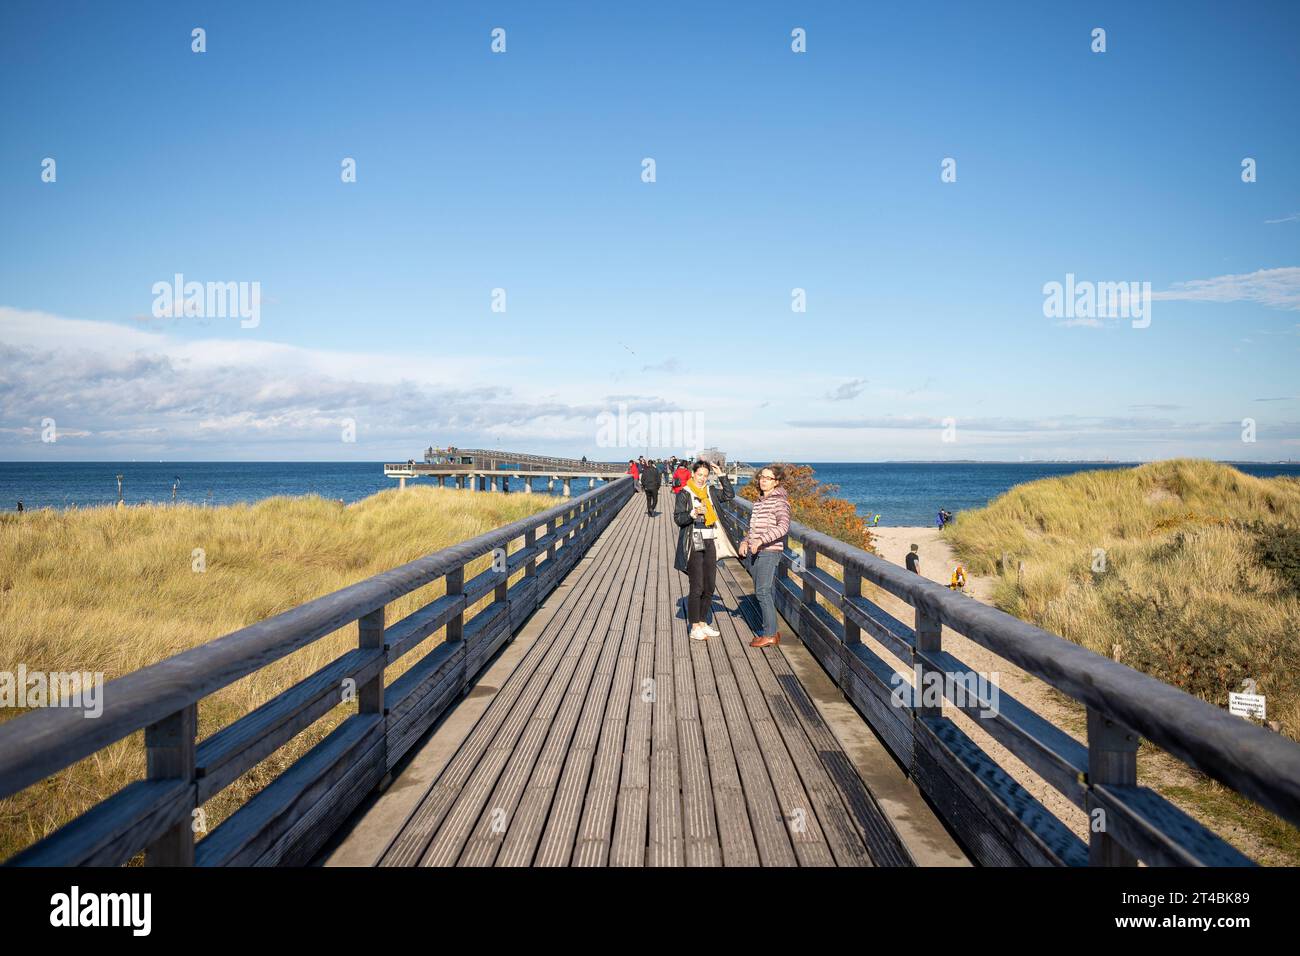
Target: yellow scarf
[710,516]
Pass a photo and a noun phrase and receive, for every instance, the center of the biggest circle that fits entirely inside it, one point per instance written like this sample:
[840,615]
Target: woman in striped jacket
[769,523]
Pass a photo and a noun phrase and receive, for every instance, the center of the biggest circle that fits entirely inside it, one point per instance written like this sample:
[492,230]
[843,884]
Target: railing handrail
[1257,763]
[506,456]
[46,740]
[593,467]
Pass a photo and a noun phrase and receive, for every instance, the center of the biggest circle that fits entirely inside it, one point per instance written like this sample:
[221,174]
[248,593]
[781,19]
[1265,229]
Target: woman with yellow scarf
[696,514]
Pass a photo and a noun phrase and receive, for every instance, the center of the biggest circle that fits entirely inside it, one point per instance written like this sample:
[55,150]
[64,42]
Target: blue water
[86,484]
[910,494]
[902,494]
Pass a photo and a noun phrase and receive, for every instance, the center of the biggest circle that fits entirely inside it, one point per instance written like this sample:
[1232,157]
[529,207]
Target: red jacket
[680,477]
[633,471]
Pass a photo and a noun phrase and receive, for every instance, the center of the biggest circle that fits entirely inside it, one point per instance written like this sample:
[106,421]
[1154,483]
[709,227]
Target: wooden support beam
[1112,759]
[169,755]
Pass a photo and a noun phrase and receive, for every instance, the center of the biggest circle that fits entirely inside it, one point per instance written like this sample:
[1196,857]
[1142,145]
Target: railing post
[169,755]
[1112,758]
[499,594]
[530,539]
[370,635]
[852,589]
[456,585]
[552,526]
[929,637]
[810,564]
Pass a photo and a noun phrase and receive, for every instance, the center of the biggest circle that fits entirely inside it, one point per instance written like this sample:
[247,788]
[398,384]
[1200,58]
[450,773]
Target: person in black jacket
[696,513]
[650,481]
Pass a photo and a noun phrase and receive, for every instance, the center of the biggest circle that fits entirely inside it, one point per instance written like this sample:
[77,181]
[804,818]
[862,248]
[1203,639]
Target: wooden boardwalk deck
[618,741]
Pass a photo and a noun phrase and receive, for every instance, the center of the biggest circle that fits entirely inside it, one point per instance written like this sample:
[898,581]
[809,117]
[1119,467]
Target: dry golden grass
[113,590]
[1182,591]
[1182,595]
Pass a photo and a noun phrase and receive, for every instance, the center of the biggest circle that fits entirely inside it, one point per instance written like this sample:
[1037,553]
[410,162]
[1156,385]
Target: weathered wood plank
[420,828]
[555,844]
[256,826]
[1004,807]
[536,752]
[630,805]
[665,837]
[699,826]
[1159,833]
[419,625]
[825,768]
[805,808]
[1046,749]
[767,815]
[235,749]
[115,830]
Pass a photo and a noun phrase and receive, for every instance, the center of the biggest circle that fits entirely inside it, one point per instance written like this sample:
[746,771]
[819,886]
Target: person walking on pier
[769,524]
[650,479]
[635,473]
[696,513]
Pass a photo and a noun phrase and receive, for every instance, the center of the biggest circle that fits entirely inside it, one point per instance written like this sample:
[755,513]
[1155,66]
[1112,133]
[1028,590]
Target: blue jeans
[762,567]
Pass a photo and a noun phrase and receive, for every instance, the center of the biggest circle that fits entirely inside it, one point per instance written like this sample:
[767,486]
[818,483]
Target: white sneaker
[698,633]
[711,631]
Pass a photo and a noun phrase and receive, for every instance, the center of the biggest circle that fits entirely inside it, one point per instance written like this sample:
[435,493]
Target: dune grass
[1184,569]
[113,590]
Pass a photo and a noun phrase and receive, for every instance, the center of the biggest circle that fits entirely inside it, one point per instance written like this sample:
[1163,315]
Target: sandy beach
[937,559]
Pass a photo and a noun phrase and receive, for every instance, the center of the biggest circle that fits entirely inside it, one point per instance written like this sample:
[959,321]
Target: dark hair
[777,472]
[700,463]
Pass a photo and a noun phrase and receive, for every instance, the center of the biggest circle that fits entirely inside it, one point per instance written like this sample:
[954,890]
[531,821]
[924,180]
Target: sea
[901,493]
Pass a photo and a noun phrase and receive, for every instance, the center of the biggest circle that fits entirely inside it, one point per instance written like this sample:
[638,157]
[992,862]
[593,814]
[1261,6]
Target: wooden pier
[612,739]
[616,740]
[480,469]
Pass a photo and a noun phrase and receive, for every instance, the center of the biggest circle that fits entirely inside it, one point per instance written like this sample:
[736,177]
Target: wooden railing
[998,821]
[487,460]
[602,469]
[289,820]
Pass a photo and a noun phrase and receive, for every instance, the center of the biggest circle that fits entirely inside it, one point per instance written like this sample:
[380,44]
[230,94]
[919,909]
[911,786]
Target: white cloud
[1275,288]
[118,389]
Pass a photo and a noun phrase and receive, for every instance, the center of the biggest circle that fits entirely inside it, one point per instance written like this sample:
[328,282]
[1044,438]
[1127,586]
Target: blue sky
[775,170]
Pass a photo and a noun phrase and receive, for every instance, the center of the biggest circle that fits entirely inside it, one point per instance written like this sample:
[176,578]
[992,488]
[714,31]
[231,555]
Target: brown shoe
[768,641]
